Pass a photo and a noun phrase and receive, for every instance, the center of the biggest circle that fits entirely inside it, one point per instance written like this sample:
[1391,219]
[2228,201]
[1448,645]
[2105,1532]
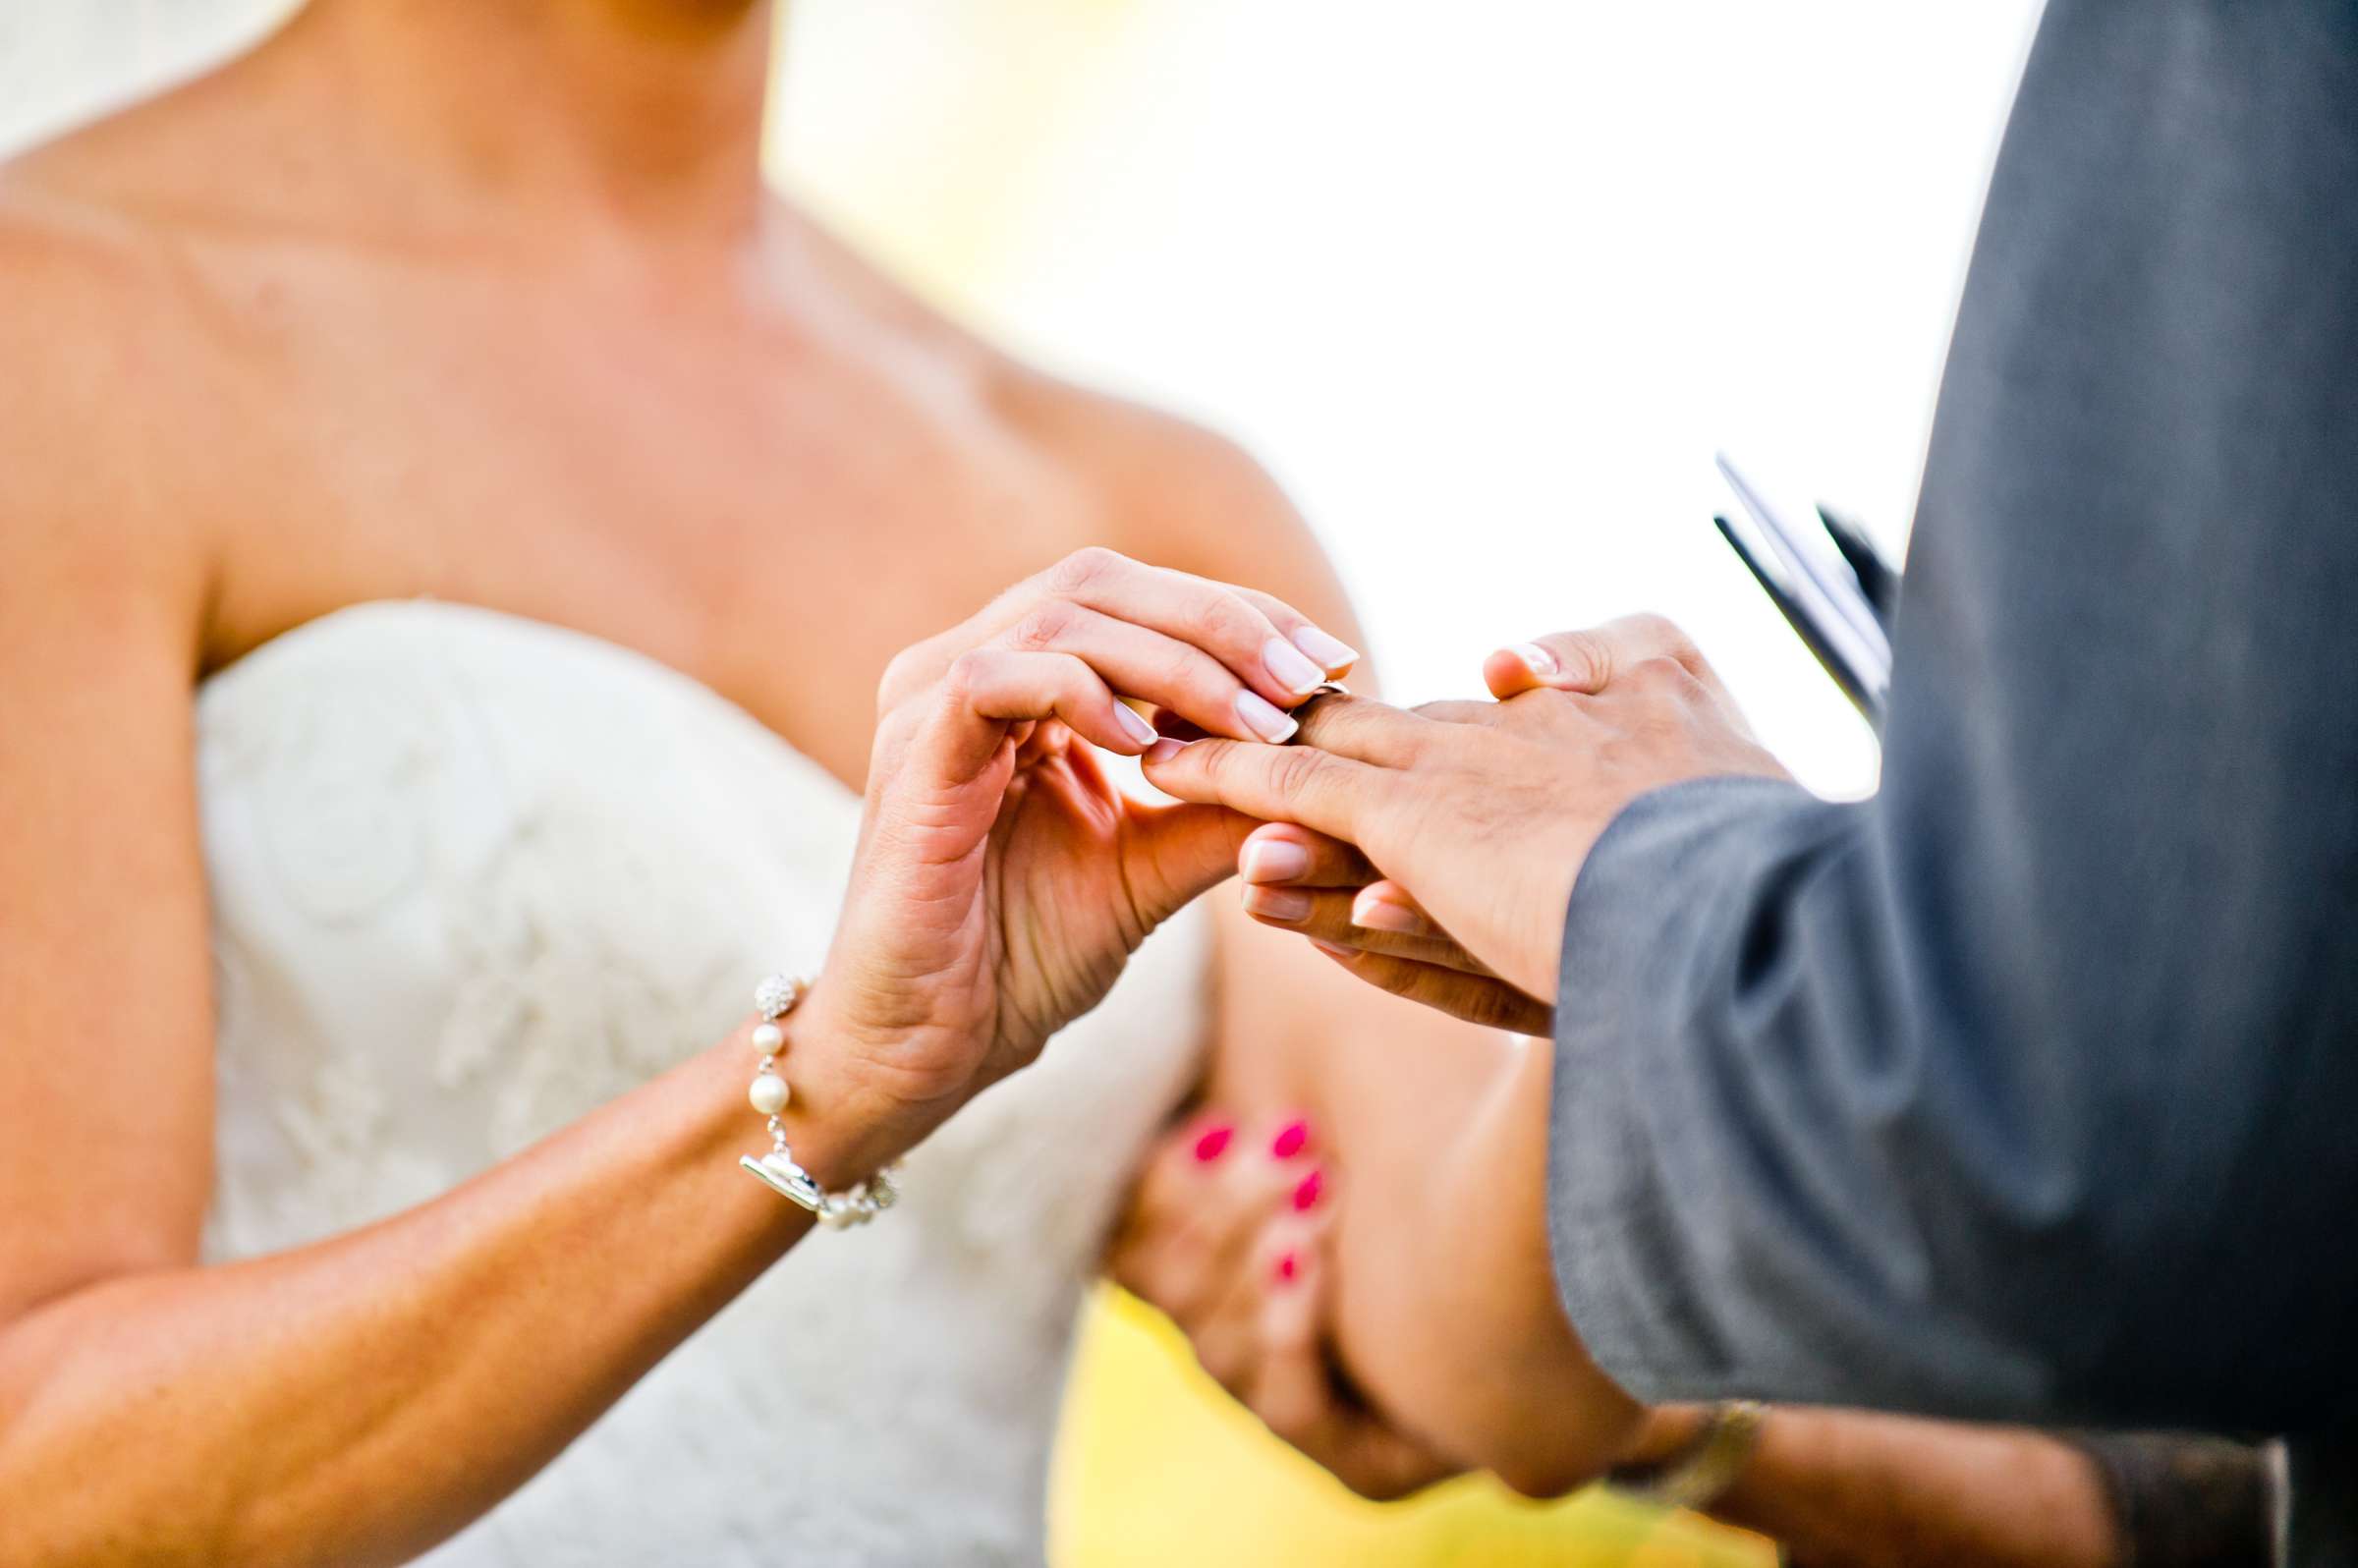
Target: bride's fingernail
[1383,914]
[1291,1140]
[1273,859]
[1290,667]
[1331,652]
[1288,1267]
[1285,905]
[1258,714]
[1333,949]
[1306,1196]
[1213,1144]
[1164,749]
[1138,728]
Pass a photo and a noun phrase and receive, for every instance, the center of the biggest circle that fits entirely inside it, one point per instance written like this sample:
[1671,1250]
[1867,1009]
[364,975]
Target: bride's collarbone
[790,610]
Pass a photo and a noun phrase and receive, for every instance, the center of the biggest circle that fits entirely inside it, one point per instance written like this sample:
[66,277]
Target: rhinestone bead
[775,997]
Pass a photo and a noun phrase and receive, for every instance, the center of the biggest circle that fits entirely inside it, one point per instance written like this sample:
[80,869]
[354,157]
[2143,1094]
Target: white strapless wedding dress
[474,875]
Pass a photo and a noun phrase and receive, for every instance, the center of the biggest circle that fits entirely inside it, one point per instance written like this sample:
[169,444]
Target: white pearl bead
[768,1094]
[767,1037]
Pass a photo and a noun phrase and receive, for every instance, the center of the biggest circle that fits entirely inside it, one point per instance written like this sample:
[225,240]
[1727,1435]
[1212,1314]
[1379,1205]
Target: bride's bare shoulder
[1179,493]
[107,407]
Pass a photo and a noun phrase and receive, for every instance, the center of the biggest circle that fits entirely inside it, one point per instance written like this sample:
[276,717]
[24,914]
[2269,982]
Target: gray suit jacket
[2030,1088]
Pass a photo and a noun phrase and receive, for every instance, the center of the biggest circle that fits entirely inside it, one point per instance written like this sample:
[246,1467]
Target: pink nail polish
[1291,1140]
[1306,1196]
[1213,1144]
[1287,1267]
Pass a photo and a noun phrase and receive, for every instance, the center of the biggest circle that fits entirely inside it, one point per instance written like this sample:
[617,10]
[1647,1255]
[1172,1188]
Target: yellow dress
[1156,1467]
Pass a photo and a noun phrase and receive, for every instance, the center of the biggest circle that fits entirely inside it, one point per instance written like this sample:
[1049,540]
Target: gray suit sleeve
[2027,1087]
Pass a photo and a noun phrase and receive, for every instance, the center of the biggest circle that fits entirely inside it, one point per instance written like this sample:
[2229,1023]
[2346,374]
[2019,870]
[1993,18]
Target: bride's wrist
[840,1117]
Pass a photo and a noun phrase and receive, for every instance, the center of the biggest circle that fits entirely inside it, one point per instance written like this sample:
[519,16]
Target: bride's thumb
[1179,852]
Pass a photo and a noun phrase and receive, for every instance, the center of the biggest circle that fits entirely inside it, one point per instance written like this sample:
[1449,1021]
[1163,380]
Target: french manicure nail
[1138,728]
[1290,667]
[1536,658]
[1273,859]
[1288,1267]
[1213,1144]
[1331,652]
[1257,714]
[1163,749]
[1383,914]
[1306,1196]
[1286,905]
[1291,1140]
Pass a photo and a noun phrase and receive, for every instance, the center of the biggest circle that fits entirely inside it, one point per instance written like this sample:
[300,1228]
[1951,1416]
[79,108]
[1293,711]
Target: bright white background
[1485,283]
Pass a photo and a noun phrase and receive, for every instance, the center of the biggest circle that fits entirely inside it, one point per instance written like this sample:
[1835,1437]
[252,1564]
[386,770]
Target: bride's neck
[640,114]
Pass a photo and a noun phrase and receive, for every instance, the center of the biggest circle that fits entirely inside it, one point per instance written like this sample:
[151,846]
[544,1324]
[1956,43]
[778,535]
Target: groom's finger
[1275,783]
[1362,729]
[1475,998]
[1284,855]
[1331,915]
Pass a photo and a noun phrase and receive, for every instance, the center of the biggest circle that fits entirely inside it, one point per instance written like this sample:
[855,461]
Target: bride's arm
[355,1400]
[346,1401]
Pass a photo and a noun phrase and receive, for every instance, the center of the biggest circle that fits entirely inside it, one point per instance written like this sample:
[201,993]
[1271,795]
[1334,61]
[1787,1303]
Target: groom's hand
[1479,814]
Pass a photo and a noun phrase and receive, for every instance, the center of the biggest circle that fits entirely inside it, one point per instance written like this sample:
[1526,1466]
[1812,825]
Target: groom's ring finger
[1327,913]
[1141,662]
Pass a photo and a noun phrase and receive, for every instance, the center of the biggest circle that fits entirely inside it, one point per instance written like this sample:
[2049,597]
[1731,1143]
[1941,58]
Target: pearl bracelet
[773,1000]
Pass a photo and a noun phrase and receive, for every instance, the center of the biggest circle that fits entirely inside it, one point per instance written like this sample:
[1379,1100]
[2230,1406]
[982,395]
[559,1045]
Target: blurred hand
[1470,820]
[1001,881]
[1229,1234]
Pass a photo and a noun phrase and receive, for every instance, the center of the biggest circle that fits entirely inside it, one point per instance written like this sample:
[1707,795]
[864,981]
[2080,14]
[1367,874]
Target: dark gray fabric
[2030,1088]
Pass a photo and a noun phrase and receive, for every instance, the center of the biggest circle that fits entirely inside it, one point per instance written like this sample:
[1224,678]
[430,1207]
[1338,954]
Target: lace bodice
[475,875]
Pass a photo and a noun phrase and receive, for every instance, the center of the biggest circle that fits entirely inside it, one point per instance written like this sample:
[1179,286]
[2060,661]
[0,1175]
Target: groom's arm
[2020,1089]
[2028,1082]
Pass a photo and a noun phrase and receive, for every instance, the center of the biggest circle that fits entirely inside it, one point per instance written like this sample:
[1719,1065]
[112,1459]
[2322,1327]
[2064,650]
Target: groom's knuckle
[1664,675]
[1664,636]
[1294,773]
[1587,659]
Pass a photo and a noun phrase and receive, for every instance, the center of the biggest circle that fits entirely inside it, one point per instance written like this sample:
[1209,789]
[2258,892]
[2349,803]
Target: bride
[455,527]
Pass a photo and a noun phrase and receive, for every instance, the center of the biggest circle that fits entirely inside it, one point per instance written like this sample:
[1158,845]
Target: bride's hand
[1002,881]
